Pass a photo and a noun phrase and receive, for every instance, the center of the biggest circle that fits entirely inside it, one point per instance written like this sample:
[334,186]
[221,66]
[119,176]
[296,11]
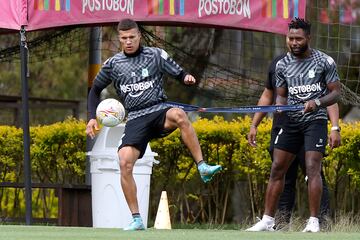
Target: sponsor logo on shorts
[320,144]
[277,137]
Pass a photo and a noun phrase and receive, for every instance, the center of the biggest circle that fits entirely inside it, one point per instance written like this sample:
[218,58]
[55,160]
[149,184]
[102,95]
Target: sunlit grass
[12,232]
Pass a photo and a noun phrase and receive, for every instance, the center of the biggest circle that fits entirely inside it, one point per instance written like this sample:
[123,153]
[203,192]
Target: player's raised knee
[179,116]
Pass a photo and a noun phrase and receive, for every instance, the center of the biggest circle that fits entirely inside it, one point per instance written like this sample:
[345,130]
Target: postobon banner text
[260,15]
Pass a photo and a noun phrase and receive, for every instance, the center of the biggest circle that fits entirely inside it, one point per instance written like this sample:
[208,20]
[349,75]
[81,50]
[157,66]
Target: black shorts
[139,131]
[312,135]
[299,159]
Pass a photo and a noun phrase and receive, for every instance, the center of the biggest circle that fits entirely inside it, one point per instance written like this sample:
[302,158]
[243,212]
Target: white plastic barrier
[109,207]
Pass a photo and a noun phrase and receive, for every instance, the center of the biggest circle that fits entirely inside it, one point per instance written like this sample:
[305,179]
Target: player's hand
[189,80]
[252,136]
[334,139]
[91,128]
[309,106]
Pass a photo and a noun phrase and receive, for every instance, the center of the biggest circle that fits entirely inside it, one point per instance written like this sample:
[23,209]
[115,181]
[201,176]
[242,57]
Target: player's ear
[119,36]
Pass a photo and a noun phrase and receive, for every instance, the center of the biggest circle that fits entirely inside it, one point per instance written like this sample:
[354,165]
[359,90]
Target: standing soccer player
[304,76]
[137,75]
[287,198]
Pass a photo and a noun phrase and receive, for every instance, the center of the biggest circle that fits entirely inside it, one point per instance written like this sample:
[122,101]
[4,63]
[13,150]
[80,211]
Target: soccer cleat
[262,226]
[207,172]
[136,224]
[312,225]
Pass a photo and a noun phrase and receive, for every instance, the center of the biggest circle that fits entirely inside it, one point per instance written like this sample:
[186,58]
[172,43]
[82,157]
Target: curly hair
[300,23]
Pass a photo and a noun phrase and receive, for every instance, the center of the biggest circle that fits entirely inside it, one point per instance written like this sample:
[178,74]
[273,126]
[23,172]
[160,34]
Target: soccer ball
[110,112]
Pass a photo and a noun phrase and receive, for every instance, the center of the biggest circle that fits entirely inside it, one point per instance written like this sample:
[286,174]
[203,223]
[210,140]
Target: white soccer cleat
[262,226]
[312,225]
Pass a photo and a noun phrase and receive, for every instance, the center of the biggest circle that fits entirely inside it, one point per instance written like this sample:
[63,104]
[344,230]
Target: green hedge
[58,156]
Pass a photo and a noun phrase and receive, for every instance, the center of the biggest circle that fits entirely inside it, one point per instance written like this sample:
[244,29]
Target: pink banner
[10,14]
[261,15]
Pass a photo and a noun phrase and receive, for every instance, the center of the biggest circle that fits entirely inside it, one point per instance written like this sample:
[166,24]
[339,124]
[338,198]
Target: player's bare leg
[177,118]
[313,172]
[128,155]
[313,169]
[281,162]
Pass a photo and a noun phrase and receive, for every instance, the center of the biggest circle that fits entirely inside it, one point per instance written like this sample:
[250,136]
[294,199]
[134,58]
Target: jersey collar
[135,53]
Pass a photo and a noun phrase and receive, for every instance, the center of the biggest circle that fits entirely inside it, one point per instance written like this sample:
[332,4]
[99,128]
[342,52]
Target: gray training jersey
[138,79]
[306,79]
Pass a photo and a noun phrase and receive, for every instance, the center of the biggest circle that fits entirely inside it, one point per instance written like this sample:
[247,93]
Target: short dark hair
[300,23]
[127,24]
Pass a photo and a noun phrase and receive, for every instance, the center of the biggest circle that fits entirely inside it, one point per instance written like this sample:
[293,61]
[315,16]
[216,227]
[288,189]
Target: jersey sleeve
[279,75]
[93,100]
[270,81]
[331,74]
[271,78]
[169,66]
[103,78]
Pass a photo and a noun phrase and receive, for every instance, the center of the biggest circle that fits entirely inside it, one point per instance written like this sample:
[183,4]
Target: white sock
[314,219]
[268,219]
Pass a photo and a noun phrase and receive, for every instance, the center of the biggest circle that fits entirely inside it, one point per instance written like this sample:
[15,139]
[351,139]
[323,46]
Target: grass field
[16,232]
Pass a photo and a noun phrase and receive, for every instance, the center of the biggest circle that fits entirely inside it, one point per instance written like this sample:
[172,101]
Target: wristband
[335,128]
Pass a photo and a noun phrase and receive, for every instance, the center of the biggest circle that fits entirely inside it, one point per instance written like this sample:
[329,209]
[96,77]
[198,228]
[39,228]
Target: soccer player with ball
[137,75]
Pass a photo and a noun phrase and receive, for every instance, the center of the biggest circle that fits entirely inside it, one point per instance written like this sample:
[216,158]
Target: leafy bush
[57,156]
[342,169]
[58,152]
